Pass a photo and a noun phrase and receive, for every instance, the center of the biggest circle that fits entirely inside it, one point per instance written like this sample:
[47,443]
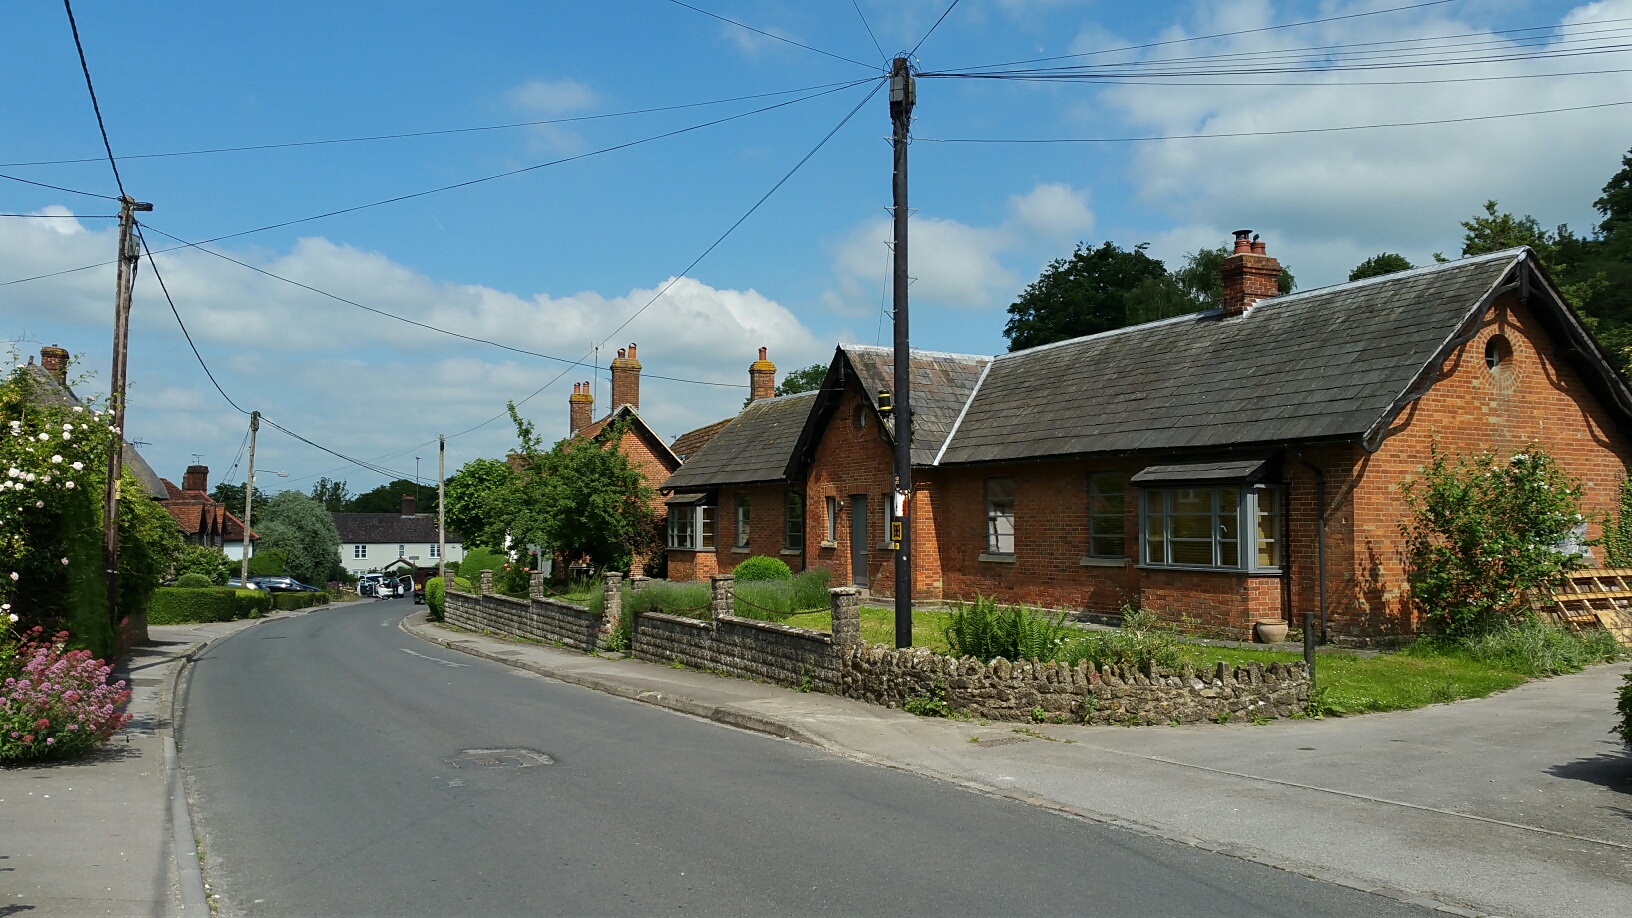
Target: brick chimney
[409,505]
[626,379]
[580,408]
[55,361]
[1249,275]
[196,478]
[761,378]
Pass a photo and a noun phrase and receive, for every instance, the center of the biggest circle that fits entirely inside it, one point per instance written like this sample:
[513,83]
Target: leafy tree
[202,559]
[333,495]
[582,498]
[232,496]
[483,499]
[305,532]
[1497,230]
[1379,265]
[807,380]
[387,498]
[1081,295]
[269,562]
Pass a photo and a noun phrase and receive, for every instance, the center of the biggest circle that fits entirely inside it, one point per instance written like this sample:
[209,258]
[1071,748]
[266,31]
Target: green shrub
[688,599]
[1529,647]
[179,606]
[984,630]
[762,567]
[1624,706]
[1483,532]
[435,598]
[775,599]
[293,601]
[202,559]
[269,563]
[478,560]
[463,585]
[1618,530]
[1142,640]
[191,581]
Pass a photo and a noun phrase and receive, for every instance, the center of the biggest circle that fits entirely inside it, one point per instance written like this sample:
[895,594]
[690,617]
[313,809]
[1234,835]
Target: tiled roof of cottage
[1327,363]
[754,447]
[47,391]
[628,412]
[688,443]
[379,528]
[196,511]
[941,384]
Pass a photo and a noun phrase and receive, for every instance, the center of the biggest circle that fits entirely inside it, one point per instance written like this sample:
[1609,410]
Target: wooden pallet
[1593,598]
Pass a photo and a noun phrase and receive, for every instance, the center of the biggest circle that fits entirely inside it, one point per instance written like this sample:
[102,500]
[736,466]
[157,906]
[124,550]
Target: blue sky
[553,260]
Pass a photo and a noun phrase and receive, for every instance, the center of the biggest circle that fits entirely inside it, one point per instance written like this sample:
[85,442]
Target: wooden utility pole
[249,498]
[903,93]
[130,252]
[441,510]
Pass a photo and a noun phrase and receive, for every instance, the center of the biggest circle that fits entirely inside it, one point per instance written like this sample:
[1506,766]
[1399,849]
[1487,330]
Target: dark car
[284,585]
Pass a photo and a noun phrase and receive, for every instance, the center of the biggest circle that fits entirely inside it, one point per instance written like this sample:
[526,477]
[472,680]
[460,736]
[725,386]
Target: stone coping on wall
[777,628]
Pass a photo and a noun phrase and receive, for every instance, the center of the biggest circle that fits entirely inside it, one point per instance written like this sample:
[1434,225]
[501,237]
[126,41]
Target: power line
[177,313]
[932,28]
[86,67]
[417,324]
[839,57]
[89,194]
[376,469]
[876,45]
[475,181]
[1324,130]
[64,216]
[437,132]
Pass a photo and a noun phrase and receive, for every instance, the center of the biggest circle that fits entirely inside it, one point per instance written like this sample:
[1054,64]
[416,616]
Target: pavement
[1516,804]
[99,835]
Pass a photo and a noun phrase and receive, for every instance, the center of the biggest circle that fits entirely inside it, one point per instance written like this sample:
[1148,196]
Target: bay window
[1202,527]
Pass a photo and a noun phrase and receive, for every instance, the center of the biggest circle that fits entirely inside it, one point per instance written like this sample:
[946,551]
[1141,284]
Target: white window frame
[696,523]
[995,519]
[436,550]
[739,539]
[402,550]
[359,552]
[1247,520]
[832,518]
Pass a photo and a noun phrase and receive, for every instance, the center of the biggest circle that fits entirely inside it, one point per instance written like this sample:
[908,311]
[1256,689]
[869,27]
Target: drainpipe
[1320,563]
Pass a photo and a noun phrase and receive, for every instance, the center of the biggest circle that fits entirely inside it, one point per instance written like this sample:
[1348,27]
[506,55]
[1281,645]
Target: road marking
[433,659]
[386,623]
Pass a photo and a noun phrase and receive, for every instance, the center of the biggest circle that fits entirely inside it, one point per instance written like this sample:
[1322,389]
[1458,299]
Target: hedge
[184,605]
[289,601]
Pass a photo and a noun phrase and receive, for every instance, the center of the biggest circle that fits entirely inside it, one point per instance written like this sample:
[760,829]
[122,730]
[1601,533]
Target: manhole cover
[1002,741]
[501,758]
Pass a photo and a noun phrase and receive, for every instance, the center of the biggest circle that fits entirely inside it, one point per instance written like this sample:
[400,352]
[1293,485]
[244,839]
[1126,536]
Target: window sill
[996,559]
[1210,570]
[792,551]
[744,550]
[1103,562]
[828,543]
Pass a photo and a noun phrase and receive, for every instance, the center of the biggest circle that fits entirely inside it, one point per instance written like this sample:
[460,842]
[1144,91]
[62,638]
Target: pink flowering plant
[54,702]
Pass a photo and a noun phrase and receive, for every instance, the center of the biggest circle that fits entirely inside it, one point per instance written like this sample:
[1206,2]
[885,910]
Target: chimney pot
[580,408]
[1249,275]
[1243,240]
[626,379]
[631,350]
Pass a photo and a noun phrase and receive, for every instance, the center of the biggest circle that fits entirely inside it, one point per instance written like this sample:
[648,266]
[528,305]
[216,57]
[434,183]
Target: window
[1498,351]
[436,550]
[858,417]
[402,551]
[832,519]
[359,551]
[681,527]
[1201,527]
[705,528]
[793,538]
[1000,516]
[742,521]
[1107,507]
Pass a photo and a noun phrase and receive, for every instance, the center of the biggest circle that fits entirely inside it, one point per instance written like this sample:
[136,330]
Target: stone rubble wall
[747,647]
[548,620]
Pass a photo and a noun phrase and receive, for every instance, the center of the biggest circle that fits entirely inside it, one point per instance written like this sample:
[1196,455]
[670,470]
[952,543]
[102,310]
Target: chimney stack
[55,361]
[1250,275]
[580,408]
[196,478]
[761,378]
[626,379]
[410,505]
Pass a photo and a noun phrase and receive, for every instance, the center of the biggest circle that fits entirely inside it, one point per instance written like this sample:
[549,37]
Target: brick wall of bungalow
[1533,396]
[767,521]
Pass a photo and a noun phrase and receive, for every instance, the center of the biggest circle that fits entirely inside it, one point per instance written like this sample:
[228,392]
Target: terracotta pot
[1269,632]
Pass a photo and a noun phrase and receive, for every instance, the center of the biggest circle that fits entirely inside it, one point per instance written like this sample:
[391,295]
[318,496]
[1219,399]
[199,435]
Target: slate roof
[754,447]
[941,384]
[688,443]
[1327,363]
[47,391]
[378,528]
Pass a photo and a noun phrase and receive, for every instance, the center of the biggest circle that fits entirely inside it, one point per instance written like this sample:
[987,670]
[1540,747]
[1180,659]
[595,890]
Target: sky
[594,238]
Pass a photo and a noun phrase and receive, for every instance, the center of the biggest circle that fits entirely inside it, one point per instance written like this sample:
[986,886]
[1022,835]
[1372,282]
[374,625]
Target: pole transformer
[130,253]
[903,93]
[249,497]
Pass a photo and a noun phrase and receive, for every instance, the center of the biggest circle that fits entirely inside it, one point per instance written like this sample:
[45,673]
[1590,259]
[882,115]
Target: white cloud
[367,385]
[955,264]
[1329,197]
[553,99]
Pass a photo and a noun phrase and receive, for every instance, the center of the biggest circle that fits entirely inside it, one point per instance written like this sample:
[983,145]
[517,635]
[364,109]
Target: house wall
[1535,397]
[767,515]
[383,553]
[850,460]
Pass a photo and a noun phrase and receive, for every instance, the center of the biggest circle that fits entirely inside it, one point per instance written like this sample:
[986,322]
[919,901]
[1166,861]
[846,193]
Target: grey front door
[858,540]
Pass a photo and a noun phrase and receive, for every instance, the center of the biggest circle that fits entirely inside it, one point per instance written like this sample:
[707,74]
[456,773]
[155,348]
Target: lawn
[1345,683]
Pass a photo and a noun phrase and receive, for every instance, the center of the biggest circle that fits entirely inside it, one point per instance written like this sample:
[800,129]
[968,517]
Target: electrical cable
[1222,134]
[376,469]
[413,322]
[89,194]
[475,181]
[431,133]
[64,216]
[882,56]
[83,65]
[790,41]
[932,28]
[177,313]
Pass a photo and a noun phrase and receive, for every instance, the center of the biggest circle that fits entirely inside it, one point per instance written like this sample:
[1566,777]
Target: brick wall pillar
[724,600]
[612,601]
[846,603]
[486,584]
[535,585]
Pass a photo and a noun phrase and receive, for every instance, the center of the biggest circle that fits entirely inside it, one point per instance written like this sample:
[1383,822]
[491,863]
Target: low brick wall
[840,664]
[540,619]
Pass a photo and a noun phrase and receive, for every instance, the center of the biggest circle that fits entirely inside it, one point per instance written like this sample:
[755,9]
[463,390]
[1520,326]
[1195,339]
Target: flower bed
[54,702]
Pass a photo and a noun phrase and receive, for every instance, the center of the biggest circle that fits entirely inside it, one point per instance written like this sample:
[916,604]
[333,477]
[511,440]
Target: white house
[374,541]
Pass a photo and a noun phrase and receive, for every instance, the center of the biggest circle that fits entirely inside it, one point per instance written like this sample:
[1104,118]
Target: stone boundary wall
[840,664]
[541,619]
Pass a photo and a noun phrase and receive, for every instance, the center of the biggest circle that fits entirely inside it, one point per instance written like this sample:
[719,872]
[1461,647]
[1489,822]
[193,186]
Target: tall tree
[1081,295]
[232,496]
[807,380]
[333,495]
[1379,265]
[304,532]
[483,500]
[387,498]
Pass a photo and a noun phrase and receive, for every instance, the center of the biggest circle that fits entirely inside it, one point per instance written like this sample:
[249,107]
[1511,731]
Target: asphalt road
[339,766]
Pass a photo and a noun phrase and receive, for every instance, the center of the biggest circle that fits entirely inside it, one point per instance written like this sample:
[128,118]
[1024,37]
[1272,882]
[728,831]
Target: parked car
[239,584]
[284,585]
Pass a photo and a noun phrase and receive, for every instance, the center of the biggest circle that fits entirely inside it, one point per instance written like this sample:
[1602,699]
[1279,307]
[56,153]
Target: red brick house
[1231,466]
[203,520]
